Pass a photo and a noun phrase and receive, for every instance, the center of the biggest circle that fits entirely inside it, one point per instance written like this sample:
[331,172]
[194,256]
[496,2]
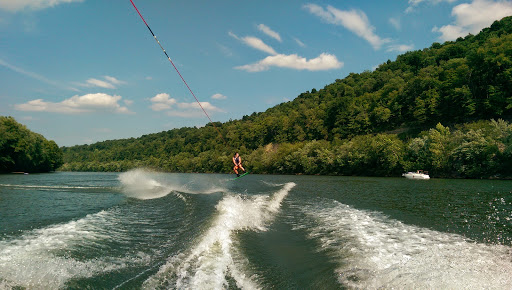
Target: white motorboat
[419,174]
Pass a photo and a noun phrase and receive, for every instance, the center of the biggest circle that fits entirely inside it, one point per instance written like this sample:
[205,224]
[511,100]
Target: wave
[215,257]
[374,251]
[141,184]
[54,187]
[42,258]
[146,184]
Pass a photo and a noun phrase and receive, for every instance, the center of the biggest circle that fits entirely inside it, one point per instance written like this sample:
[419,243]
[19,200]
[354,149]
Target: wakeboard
[241,175]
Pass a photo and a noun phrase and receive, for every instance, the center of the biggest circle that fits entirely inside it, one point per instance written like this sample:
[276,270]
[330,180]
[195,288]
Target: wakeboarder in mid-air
[237,160]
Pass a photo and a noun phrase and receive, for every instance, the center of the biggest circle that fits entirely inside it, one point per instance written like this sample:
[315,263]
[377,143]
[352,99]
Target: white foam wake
[215,257]
[39,259]
[373,251]
[51,187]
[141,184]
[146,184]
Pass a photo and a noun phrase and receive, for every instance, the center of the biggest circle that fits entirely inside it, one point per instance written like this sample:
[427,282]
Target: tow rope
[175,68]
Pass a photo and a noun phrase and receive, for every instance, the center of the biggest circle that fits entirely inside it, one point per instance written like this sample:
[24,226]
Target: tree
[24,150]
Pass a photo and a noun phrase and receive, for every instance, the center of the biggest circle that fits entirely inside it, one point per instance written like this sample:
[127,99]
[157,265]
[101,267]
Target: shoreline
[296,174]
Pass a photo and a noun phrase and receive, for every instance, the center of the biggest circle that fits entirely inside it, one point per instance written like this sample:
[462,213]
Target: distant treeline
[477,150]
[350,125]
[22,150]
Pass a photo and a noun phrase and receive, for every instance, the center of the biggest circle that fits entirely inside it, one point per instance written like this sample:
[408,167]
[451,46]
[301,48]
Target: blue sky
[82,71]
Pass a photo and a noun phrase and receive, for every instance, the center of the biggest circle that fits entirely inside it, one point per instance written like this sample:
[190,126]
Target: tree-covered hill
[22,150]
[457,82]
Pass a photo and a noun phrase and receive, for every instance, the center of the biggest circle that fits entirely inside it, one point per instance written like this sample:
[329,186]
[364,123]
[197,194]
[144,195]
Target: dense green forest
[378,122]
[22,150]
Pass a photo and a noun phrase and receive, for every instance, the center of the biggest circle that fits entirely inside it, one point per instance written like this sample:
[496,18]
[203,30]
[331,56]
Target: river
[150,230]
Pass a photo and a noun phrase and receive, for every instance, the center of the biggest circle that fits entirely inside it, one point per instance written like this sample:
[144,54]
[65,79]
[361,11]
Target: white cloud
[265,29]
[163,102]
[114,81]
[450,32]
[322,62]
[415,3]
[395,22]
[100,83]
[399,48]
[77,104]
[219,97]
[472,17]
[163,98]
[255,42]
[160,107]
[233,35]
[108,83]
[353,20]
[192,110]
[300,43]
[18,5]
[194,106]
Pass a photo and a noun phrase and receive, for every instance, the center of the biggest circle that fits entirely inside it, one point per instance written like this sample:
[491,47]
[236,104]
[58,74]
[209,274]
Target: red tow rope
[190,90]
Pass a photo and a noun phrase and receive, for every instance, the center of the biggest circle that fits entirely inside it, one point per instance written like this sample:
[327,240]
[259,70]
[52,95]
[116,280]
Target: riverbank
[479,150]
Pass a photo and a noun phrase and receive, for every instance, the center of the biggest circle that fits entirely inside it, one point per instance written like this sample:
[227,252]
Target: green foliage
[379,155]
[26,151]
[475,150]
[345,127]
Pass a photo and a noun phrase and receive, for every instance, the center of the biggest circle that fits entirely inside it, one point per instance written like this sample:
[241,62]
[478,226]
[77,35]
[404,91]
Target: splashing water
[146,184]
[74,230]
[374,251]
[141,184]
[39,259]
[215,256]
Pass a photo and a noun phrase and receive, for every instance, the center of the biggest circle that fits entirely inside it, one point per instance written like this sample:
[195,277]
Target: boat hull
[414,175]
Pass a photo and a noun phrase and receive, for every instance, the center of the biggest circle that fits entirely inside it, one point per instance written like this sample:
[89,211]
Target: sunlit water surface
[142,229]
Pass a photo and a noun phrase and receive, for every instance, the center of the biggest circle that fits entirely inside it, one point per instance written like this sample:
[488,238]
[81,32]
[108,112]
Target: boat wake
[215,261]
[145,184]
[141,184]
[57,187]
[45,259]
[374,251]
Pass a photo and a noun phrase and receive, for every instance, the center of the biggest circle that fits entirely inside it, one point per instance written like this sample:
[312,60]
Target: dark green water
[204,231]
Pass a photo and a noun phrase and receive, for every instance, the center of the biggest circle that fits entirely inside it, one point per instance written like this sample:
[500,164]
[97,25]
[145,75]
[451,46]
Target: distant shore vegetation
[476,150]
[445,109]
[22,150]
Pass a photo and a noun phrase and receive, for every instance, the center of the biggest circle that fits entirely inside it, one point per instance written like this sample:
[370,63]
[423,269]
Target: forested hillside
[393,112]
[25,151]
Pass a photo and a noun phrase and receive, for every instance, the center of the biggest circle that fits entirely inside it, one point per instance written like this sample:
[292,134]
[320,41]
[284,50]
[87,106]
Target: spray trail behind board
[214,258]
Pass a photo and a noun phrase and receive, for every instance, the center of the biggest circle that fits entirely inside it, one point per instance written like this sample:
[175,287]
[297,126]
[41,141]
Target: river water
[149,230]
